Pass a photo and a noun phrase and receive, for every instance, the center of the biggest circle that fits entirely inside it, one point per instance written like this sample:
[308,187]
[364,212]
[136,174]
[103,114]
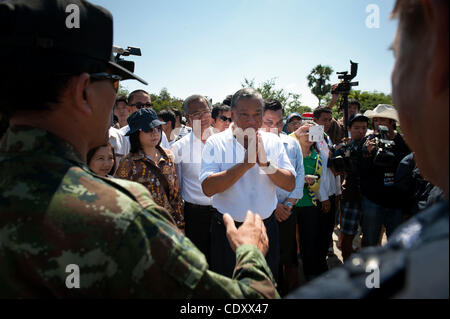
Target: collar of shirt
[27,139]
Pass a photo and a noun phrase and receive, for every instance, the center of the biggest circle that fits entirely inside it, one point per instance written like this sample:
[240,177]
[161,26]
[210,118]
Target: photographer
[337,128]
[351,193]
[382,153]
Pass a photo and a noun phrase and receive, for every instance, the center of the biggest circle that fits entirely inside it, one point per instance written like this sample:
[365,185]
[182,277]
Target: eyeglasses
[199,115]
[106,76]
[140,105]
[295,123]
[224,118]
[151,130]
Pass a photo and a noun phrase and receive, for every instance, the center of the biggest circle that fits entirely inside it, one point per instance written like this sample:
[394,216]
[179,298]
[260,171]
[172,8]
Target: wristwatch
[270,168]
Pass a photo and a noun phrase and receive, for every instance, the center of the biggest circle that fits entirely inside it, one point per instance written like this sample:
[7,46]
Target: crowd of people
[203,202]
[196,164]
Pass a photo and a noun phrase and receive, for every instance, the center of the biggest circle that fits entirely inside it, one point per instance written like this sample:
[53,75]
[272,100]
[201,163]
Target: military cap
[48,35]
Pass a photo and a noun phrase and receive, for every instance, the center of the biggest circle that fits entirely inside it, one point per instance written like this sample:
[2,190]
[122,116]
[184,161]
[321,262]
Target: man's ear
[438,81]
[233,115]
[82,88]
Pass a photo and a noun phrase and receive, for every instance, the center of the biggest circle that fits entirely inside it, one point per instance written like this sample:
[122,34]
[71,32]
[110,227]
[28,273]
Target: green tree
[164,100]
[122,91]
[290,101]
[318,81]
[368,101]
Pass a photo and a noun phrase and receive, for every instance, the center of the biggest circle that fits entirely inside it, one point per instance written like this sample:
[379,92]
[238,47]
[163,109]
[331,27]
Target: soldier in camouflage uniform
[56,214]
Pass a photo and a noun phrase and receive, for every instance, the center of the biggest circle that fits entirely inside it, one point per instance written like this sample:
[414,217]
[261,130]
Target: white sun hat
[383,110]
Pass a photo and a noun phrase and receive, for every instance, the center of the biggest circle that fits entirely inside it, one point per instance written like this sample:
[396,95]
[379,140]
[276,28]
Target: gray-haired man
[230,176]
[188,151]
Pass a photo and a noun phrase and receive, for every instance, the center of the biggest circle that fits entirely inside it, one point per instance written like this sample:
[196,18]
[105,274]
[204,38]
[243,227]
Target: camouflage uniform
[55,212]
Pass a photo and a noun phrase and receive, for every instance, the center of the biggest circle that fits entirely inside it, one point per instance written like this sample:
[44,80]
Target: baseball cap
[357,116]
[48,35]
[143,119]
[292,115]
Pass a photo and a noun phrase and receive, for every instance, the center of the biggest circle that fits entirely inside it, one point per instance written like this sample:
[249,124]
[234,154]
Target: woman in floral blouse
[151,165]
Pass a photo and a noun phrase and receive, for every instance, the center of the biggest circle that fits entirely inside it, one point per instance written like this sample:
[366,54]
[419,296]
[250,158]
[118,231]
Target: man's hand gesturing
[252,231]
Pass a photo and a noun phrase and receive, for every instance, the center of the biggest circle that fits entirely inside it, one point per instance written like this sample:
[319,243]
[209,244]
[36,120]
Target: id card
[316,133]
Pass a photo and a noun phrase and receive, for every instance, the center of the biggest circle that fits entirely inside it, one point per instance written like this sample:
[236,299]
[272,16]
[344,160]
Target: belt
[198,206]
[219,219]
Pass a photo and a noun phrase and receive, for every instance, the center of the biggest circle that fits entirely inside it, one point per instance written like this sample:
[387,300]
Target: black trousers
[223,259]
[288,240]
[314,235]
[198,226]
[327,222]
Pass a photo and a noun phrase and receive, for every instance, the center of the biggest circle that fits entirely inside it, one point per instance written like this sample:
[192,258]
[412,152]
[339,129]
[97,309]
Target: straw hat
[383,110]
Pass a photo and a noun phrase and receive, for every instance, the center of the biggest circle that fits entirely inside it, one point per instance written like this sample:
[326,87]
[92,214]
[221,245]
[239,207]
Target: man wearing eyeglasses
[65,231]
[198,208]
[137,100]
[221,116]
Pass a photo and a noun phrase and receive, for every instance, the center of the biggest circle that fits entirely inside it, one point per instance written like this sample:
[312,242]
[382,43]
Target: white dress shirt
[329,185]
[120,143]
[188,157]
[254,190]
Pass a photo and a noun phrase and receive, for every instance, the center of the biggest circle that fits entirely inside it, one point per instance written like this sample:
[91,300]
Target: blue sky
[209,47]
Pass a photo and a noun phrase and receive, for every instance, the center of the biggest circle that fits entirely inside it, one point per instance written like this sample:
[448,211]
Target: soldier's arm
[158,261]
[251,278]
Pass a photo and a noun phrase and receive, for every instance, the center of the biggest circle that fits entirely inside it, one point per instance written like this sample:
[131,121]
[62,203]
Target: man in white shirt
[198,208]
[137,100]
[241,169]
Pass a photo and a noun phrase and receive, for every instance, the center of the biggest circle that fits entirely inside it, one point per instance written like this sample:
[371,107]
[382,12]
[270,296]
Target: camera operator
[337,128]
[382,153]
[351,194]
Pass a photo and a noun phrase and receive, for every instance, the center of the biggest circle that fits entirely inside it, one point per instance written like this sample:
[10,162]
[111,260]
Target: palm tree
[317,81]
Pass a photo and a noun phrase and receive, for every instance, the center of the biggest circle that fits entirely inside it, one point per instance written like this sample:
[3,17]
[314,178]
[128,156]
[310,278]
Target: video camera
[129,65]
[344,155]
[345,86]
[384,155]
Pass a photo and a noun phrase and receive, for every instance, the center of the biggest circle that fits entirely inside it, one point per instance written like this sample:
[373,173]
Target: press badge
[389,179]
[316,133]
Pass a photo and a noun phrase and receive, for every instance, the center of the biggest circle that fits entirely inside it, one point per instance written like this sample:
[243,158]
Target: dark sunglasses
[224,118]
[140,105]
[151,130]
[106,76]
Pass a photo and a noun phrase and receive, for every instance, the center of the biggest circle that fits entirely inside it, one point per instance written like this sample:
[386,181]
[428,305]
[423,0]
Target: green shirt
[55,212]
[309,163]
